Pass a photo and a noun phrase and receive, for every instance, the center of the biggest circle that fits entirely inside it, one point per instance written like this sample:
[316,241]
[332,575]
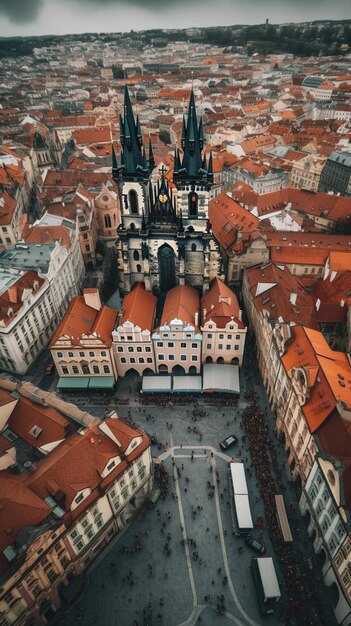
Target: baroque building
[165,236]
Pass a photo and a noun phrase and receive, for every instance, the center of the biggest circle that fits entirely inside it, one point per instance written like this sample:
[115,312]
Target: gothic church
[165,235]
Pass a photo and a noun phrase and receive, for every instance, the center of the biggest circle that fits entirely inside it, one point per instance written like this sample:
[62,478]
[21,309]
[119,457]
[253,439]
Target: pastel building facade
[178,340]
[132,336]
[223,331]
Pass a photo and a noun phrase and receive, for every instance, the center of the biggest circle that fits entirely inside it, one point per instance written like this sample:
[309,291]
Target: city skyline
[45,17]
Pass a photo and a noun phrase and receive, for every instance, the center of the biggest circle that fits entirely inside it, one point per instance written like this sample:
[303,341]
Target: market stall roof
[220,378]
[73,382]
[157,384]
[187,383]
[101,382]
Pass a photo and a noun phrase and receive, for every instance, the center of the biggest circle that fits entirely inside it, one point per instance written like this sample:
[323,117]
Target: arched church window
[136,255]
[132,226]
[193,247]
[107,221]
[192,203]
[133,201]
[138,268]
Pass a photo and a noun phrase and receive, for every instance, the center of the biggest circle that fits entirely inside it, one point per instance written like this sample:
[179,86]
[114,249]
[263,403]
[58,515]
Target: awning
[220,378]
[157,384]
[73,382]
[101,382]
[187,383]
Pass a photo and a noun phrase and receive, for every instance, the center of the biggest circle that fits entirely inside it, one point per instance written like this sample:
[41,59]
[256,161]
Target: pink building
[132,345]
[177,341]
[222,327]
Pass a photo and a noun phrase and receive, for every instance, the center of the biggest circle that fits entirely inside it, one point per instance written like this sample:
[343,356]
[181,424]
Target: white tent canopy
[220,377]
[187,383]
[155,384]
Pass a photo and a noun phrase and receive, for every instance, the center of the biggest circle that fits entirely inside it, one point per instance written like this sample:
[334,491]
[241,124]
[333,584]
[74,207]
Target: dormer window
[35,431]
[79,498]
[111,466]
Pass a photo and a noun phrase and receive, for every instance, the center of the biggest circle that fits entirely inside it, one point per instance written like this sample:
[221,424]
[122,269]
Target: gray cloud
[21,11]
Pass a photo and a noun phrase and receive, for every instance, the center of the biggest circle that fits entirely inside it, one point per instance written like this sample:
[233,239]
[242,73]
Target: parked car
[228,442]
[49,369]
[256,545]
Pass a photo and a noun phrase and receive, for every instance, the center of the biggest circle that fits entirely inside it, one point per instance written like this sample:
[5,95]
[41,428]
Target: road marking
[187,553]
[224,552]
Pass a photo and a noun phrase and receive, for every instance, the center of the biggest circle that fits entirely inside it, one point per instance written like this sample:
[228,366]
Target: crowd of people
[302,604]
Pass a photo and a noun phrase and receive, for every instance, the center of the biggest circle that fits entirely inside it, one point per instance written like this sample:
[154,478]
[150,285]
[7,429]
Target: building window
[194,346]
[183,357]
[96,369]
[70,354]
[103,353]
[149,360]
[85,369]
[106,369]
[133,201]
[221,336]
[64,369]
[194,357]
[183,345]
[147,349]
[209,346]
[159,344]
[161,357]
[136,255]
[132,359]
[171,357]
[91,353]
[108,221]
[220,346]
[138,268]
[170,344]
[75,369]
[141,360]
[139,349]
[228,346]
[123,360]
[82,354]
[120,349]
[60,355]
[130,349]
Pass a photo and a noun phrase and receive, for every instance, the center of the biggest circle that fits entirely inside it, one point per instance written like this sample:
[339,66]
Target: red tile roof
[81,319]
[182,302]
[221,305]
[139,308]
[227,217]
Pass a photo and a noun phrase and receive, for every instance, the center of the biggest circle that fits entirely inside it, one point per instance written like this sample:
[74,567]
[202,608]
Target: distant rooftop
[27,256]
[7,279]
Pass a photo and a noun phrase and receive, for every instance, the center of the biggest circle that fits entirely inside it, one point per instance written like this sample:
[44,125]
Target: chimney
[197,318]
[12,294]
[204,313]
[240,315]
[92,298]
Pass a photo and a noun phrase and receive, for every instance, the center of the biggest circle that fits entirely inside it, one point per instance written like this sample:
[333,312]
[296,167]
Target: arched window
[136,255]
[107,221]
[193,247]
[132,226]
[138,268]
[192,204]
[133,201]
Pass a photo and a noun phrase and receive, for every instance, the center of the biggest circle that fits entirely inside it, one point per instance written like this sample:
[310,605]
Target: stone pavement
[156,588]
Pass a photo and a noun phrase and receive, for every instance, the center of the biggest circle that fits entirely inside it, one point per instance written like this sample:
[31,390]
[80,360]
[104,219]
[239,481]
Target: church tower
[164,238]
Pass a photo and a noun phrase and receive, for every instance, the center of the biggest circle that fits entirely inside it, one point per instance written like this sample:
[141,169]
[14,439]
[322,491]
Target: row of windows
[60,355]
[171,357]
[170,344]
[220,347]
[133,360]
[131,349]
[95,369]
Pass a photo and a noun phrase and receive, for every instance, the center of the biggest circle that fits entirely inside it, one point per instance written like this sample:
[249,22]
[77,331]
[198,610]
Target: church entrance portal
[166,267]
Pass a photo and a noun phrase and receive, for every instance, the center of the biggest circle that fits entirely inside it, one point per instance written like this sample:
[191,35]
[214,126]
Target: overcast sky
[43,17]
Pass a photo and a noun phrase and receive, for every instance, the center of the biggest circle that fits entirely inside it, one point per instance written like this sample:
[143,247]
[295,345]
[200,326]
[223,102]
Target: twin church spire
[191,165]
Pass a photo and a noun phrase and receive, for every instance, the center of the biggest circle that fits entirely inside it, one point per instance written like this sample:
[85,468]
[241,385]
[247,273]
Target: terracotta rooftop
[139,307]
[220,304]
[81,319]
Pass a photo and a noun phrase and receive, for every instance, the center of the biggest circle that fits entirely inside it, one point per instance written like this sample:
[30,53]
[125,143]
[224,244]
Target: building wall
[132,349]
[177,344]
[223,345]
